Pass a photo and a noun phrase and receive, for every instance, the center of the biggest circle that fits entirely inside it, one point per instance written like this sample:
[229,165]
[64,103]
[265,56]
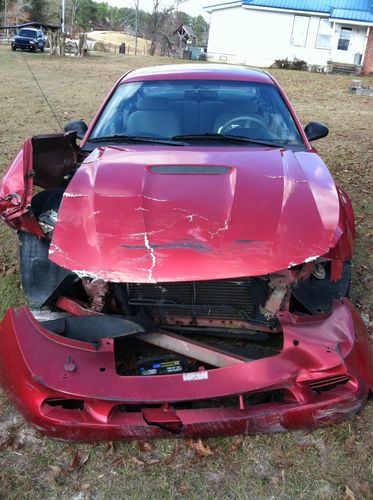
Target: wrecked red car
[187,267]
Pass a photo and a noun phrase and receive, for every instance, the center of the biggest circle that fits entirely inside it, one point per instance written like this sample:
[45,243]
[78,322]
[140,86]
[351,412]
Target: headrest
[239,105]
[201,95]
[152,103]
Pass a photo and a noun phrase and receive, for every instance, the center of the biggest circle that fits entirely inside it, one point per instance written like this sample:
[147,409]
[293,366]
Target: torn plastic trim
[42,280]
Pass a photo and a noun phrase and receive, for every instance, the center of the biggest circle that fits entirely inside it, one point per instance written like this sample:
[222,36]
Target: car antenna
[41,90]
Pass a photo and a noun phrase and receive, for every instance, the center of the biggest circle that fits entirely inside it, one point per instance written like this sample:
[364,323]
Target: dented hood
[146,214]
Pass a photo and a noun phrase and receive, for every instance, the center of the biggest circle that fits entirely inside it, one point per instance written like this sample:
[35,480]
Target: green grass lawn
[320,464]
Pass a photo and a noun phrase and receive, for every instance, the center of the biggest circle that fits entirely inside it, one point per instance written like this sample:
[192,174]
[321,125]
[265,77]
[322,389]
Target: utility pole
[63,17]
[136,24]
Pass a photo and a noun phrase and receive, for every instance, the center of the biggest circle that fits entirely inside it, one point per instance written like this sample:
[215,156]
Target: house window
[300,30]
[324,35]
[344,38]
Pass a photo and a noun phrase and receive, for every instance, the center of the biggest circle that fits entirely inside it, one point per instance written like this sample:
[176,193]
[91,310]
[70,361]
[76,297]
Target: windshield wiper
[226,138]
[136,139]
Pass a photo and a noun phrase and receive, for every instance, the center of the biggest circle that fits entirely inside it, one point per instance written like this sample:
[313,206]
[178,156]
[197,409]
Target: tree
[178,18]
[154,25]
[161,25]
[20,10]
[3,14]
[54,11]
[86,16]
[73,14]
[38,11]
[201,30]
[104,15]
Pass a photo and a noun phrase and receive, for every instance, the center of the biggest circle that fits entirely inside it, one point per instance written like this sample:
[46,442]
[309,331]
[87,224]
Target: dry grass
[300,464]
[116,38]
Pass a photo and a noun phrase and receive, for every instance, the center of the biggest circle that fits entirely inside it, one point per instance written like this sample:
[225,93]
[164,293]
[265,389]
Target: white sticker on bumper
[190,377]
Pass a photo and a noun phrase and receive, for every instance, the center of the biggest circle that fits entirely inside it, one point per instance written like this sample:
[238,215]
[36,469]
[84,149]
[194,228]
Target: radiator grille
[229,299]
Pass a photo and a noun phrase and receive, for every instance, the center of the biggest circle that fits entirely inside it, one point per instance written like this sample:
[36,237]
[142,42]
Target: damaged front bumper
[70,389]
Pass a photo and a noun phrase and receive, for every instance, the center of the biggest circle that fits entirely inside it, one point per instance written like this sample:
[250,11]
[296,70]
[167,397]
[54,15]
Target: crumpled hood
[159,214]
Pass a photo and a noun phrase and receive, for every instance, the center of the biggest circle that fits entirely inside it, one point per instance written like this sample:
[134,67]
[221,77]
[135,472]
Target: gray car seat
[153,117]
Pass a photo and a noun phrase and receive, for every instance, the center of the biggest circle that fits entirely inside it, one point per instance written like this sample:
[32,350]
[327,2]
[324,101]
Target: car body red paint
[271,213]
[210,231]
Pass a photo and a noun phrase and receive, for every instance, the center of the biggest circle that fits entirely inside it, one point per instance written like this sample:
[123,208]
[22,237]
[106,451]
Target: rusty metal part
[280,288]
[218,323]
[96,289]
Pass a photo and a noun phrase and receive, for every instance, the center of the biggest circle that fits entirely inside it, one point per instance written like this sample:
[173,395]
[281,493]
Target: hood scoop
[189,169]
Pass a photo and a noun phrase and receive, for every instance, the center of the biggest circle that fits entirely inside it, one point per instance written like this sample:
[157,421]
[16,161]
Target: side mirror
[316,130]
[79,126]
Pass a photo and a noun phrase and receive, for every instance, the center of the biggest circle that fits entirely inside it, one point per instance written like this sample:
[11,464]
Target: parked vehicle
[187,267]
[29,39]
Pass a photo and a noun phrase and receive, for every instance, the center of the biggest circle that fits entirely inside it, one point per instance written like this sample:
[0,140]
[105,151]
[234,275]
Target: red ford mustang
[187,267]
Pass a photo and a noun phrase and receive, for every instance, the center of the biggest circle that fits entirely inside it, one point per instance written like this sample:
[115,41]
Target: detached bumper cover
[324,372]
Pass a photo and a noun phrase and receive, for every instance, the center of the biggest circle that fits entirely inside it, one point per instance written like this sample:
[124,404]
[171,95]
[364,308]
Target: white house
[257,32]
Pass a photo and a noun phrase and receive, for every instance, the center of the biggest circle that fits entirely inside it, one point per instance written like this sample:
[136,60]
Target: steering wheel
[244,121]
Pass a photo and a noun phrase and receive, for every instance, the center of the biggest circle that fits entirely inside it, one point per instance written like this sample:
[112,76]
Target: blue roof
[352,15]
[352,10]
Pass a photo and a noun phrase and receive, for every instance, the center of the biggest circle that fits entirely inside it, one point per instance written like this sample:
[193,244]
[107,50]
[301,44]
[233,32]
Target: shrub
[297,64]
[281,64]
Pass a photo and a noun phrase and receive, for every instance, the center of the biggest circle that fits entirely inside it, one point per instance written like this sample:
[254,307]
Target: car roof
[197,72]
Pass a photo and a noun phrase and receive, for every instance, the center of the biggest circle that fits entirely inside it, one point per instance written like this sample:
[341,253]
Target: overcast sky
[192,7]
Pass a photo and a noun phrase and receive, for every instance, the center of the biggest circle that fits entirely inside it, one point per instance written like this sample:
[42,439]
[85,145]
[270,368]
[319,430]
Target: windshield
[193,109]
[28,33]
